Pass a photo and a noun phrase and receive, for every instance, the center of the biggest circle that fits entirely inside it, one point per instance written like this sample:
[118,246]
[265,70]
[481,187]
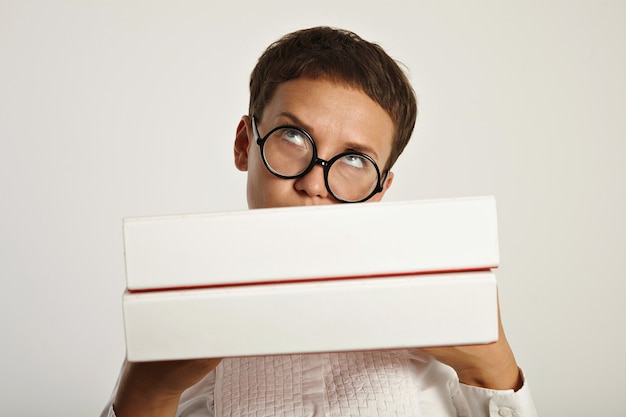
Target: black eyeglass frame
[315,160]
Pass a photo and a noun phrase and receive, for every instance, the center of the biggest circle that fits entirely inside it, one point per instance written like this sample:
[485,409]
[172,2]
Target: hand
[490,366]
[154,388]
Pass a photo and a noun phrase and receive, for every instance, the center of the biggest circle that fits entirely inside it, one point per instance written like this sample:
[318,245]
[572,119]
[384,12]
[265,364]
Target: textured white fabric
[341,384]
[400,383]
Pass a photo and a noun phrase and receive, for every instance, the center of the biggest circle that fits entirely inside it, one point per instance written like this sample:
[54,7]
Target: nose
[312,184]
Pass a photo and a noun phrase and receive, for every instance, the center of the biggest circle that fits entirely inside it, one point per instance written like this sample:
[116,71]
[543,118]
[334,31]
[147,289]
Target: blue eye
[355,161]
[295,137]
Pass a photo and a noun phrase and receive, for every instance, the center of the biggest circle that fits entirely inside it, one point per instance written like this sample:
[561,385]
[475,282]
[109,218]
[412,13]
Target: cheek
[264,189]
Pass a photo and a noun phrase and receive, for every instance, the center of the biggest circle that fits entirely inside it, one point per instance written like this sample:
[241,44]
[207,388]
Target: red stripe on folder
[269,282]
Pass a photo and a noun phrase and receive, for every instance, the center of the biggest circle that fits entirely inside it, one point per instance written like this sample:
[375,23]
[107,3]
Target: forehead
[333,113]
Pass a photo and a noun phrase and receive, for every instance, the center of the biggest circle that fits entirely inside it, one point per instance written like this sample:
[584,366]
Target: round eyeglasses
[289,152]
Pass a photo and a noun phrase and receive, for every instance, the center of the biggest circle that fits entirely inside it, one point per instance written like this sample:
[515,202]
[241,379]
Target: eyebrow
[349,145]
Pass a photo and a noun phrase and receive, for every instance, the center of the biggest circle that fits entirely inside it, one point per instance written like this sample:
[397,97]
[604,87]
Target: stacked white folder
[311,279]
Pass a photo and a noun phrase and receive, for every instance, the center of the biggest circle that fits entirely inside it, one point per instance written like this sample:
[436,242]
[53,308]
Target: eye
[355,161]
[294,137]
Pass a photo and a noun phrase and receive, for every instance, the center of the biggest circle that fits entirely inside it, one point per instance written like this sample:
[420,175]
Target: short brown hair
[341,56]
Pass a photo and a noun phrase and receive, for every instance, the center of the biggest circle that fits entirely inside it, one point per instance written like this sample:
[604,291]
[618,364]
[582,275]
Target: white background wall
[111,109]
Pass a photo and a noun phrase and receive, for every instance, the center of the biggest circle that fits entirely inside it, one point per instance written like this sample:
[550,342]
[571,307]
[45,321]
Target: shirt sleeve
[484,402]
[196,401]
[108,408]
[108,412]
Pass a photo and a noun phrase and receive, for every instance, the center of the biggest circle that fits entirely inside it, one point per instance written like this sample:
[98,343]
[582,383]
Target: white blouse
[389,383]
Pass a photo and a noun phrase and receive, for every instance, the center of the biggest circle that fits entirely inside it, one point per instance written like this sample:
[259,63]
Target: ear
[386,186]
[388,181]
[242,143]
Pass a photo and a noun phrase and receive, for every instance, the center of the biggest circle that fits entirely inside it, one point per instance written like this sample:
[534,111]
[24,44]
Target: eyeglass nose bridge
[319,161]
